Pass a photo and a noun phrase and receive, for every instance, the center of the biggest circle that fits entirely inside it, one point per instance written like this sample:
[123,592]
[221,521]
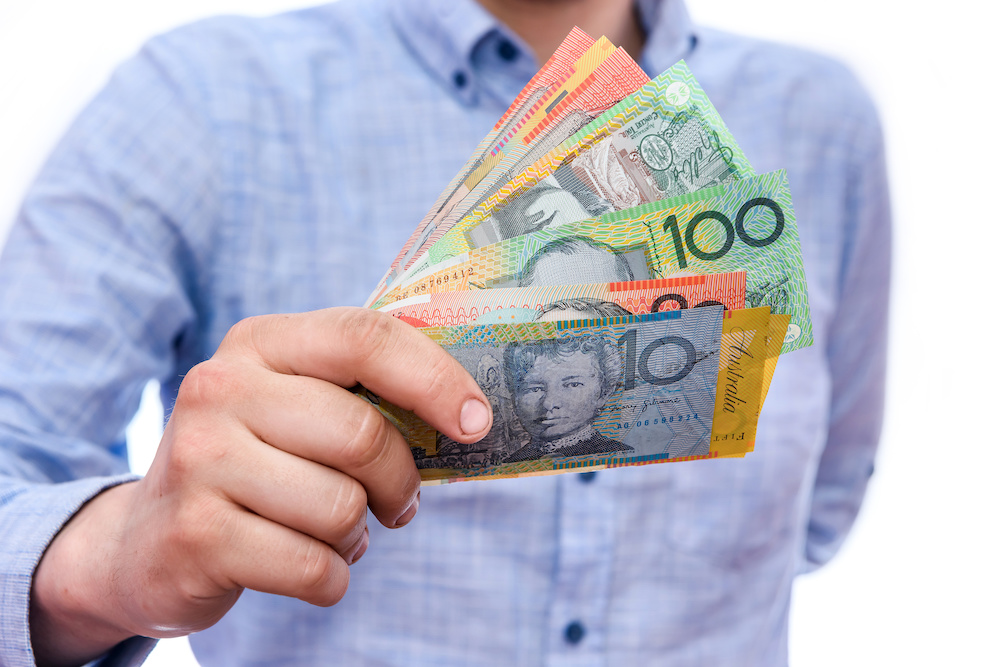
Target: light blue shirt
[245,166]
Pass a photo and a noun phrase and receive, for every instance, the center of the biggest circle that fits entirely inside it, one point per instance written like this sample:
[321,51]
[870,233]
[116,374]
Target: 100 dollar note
[745,225]
[570,396]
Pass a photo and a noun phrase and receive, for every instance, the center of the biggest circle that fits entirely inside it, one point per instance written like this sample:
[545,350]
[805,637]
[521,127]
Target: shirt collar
[452,38]
[670,34]
[445,35]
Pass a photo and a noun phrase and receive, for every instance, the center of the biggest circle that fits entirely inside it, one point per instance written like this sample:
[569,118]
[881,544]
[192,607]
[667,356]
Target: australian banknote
[601,78]
[568,302]
[748,225]
[571,302]
[665,140]
[542,86]
[551,125]
[576,395]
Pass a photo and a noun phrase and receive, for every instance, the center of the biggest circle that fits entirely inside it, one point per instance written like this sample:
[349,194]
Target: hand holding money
[205,523]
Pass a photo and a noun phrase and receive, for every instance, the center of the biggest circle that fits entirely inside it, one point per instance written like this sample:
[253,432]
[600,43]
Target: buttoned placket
[584,570]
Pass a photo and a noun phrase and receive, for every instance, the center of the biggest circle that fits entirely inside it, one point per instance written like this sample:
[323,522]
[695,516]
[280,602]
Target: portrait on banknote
[544,205]
[559,388]
[499,442]
[587,260]
[579,309]
[552,392]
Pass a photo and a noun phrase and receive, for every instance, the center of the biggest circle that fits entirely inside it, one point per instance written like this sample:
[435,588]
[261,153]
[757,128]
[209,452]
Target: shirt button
[575,632]
[460,79]
[588,477]
[507,51]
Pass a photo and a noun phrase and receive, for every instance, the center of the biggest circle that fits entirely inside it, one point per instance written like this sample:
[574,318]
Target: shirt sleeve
[96,298]
[856,350]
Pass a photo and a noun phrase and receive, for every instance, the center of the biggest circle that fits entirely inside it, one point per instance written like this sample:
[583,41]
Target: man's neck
[543,24]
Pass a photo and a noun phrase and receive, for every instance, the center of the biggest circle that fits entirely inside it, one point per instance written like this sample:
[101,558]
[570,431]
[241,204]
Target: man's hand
[262,480]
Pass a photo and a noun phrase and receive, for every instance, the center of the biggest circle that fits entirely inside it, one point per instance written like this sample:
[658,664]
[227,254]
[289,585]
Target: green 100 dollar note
[571,396]
[746,225]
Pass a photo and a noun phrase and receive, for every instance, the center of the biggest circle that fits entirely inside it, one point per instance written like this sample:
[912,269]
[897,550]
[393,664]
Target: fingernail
[475,417]
[410,512]
[360,551]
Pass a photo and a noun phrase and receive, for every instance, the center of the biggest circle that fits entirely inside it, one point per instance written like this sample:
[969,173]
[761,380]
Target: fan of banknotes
[611,270]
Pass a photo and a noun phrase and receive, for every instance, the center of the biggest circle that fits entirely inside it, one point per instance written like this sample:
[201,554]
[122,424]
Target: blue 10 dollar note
[587,394]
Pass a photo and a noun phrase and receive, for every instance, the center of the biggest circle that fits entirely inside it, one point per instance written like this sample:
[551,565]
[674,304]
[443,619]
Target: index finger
[349,346]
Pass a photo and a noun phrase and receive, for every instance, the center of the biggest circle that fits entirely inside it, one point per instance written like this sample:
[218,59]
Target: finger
[329,425]
[265,556]
[300,415]
[304,495]
[349,346]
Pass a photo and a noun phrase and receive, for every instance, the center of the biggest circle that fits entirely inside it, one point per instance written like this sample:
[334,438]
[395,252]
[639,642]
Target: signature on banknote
[770,293]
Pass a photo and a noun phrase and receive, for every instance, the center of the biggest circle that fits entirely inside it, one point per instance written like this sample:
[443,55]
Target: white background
[917,582]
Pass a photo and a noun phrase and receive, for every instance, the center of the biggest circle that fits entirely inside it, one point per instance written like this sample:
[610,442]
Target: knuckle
[197,431]
[369,436]
[365,332]
[197,527]
[208,385]
[249,337]
[441,377]
[320,581]
[183,462]
[245,332]
[194,453]
[194,449]
[349,511]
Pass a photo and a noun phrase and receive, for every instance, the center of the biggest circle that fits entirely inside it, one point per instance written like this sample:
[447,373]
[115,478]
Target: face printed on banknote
[559,388]
[550,203]
[587,261]
[558,397]
[537,209]
[579,309]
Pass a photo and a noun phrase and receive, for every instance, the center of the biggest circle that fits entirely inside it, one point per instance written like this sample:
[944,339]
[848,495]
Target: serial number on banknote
[458,276]
[656,421]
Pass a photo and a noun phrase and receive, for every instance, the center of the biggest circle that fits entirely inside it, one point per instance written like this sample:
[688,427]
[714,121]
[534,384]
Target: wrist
[77,587]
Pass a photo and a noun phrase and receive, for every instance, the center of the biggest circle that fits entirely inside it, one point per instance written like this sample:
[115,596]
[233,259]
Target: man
[559,388]
[240,167]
